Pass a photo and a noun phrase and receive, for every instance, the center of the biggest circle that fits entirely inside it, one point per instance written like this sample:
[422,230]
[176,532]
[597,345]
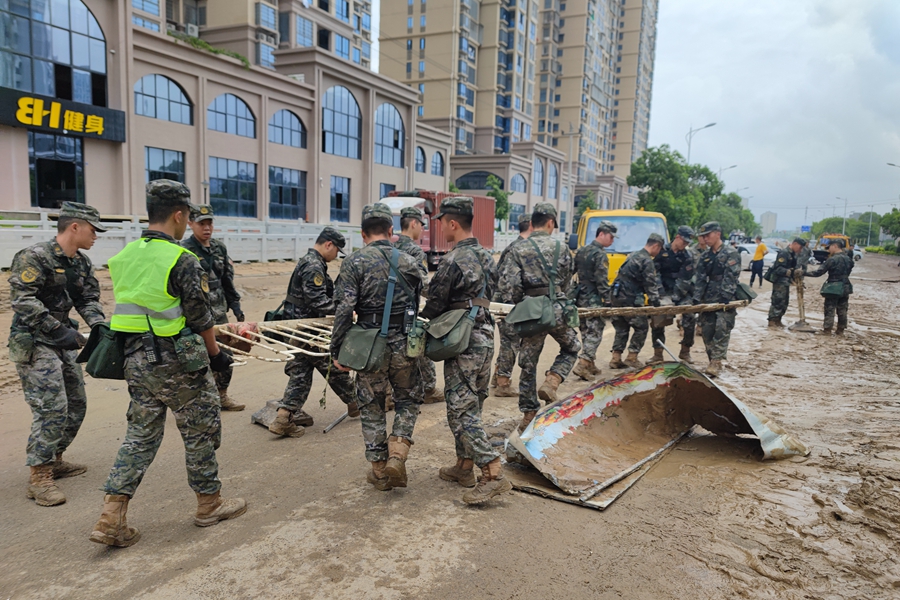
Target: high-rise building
[768,222]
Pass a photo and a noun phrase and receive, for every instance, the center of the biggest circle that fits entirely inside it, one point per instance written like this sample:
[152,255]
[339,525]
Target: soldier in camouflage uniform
[675,268]
[783,273]
[465,279]
[46,281]
[168,356]
[310,295]
[523,274]
[717,275]
[838,266]
[592,290]
[412,220]
[509,341]
[362,287]
[213,256]
[635,279]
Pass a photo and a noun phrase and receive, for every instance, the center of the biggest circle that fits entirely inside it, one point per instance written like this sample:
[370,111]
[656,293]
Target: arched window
[388,136]
[55,49]
[230,114]
[420,160]
[287,129]
[537,179]
[341,123]
[518,183]
[158,97]
[437,164]
[552,182]
[474,180]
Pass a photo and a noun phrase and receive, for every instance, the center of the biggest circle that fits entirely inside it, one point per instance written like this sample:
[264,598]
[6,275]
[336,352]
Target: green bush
[888,248]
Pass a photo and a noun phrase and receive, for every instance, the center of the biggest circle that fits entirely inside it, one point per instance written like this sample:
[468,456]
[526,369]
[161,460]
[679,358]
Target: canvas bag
[833,289]
[104,353]
[534,315]
[744,292]
[448,335]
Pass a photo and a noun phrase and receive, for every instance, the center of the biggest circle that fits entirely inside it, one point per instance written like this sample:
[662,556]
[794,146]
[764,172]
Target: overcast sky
[805,95]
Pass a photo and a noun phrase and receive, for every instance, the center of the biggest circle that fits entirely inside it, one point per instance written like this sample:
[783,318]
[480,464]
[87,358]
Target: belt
[541,291]
[482,302]
[376,318]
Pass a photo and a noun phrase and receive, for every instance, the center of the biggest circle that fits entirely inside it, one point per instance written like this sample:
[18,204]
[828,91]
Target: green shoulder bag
[744,292]
[832,289]
[448,335]
[104,353]
[534,315]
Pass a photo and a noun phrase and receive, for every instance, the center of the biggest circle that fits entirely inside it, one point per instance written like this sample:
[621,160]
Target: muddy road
[710,521]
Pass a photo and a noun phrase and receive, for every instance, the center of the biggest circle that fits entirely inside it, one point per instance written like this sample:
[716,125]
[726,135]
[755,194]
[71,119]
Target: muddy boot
[685,354]
[63,469]
[776,323]
[504,389]
[434,396]
[228,403]
[616,361]
[461,473]
[595,369]
[839,330]
[377,477]
[112,529]
[41,487]
[657,357]
[713,368]
[494,380]
[547,391]
[353,410]
[584,369]
[284,426]
[527,417]
[303,418]
[826,331]
[492,484]
[632,361]
[398,450]
[211,508]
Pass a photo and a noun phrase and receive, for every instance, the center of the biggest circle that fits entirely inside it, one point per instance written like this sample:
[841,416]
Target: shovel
[801,325]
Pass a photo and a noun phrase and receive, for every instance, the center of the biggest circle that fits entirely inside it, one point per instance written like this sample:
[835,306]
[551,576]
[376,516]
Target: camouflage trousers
[623,326]
[716,329]
[54,389]
[530,352]
[509,348]
[400,374]
[223,379]
[591,336]
[466,380]
[300,376]
[781,295]
[836,304]
[688,325]
[194,402]
[429,374]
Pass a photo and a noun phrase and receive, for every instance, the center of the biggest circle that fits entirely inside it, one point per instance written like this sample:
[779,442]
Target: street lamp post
[869,236]
[725,169]
[844,226]
[690,135]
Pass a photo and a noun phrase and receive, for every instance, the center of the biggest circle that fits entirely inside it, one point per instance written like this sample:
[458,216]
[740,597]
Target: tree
[829,225]
[501,198]
[586,202]
[452,188]
[890,223]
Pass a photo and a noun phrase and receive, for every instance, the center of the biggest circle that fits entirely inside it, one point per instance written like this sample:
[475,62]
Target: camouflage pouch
[21,347]
[570,314]
[191,351]
[415,341]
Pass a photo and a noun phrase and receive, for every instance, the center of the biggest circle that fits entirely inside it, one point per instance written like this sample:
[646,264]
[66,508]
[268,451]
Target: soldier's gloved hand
[238,313]
[65,338]
[655,303]
[221,362]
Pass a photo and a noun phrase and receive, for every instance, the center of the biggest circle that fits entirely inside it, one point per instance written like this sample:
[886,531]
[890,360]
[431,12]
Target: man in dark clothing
[838,266]
[636,279]
[675,268]
[782,274]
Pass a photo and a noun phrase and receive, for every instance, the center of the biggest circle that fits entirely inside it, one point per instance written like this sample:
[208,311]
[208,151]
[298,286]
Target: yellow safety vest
[140,277]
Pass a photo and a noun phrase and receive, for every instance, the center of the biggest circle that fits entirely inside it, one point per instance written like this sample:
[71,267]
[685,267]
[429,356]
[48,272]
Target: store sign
[52,115]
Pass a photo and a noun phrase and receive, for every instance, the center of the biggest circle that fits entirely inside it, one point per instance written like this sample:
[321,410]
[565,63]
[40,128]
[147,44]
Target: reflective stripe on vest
[140,276]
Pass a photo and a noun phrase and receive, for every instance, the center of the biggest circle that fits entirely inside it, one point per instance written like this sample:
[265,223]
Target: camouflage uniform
[523,273]
[509,341]
[716,282]
[636,277]
[838,268]
[45,285]
[310,295]
[676,280]
[362,287]
[592,290]
[781,286]
[803,258]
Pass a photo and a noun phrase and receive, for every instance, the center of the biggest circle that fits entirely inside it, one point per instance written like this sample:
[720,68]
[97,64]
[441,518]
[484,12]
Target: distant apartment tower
[768,222]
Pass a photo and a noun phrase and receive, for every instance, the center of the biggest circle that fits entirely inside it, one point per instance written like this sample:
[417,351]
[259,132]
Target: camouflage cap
[77,210]
[202,212]
[167,193]
[379,210]
[655,238]
[526,218]
[686,232]
[545,208]
[607,227]
[800,241]
[457,205]
[709,227]
[411,212]
[330,234]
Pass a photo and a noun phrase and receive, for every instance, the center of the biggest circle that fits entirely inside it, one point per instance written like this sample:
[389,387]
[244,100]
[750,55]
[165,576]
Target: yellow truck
[635,226]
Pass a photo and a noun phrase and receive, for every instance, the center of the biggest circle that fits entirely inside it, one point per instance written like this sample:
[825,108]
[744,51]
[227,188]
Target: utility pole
[869,236]
[844,226]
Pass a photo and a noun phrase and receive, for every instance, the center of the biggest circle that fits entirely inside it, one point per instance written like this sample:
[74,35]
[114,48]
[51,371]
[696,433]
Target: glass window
[287,193]
[340,199]
[518,183]
[437,164]
[232,187]
[553,182]
[158,97]
[304,32]
[420,160]
[163,164]
[142,22]
[366,21]
[385,189]
[287,129]
[515,211]
[57,162]
[266,16]
[265,55]
[422,21]
[341,123]
[342,10]
[475,180]
[537,178]
[389,136]
[366,50]
[342,46]
[356,56]
[148,6]
[230,114]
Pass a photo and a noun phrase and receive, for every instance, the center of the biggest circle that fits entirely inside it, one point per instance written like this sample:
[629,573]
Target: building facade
[98,97]
[768,222]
